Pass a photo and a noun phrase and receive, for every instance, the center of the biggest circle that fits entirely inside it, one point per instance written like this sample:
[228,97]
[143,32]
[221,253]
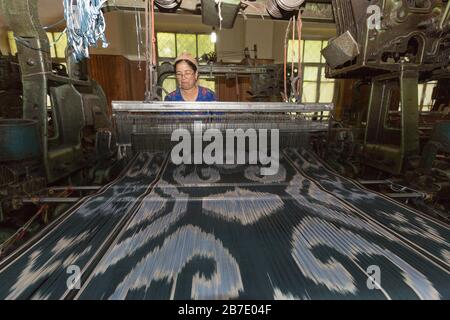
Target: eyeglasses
[186,74]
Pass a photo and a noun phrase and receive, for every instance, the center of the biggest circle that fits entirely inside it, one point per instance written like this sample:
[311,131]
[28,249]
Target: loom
[160,230]
[147,126]
[224,231]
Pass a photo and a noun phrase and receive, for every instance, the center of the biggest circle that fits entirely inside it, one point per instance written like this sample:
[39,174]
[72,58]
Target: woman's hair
[193,66]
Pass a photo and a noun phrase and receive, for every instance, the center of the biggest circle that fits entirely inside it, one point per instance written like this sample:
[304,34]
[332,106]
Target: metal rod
[368,182]
[405,195]
[50,200]
[77,188]
[281,107]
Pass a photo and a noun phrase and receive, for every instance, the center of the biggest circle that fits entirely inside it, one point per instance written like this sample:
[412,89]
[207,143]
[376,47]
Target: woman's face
[186,76]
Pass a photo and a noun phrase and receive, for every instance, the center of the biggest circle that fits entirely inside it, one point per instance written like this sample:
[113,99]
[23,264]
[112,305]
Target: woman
[186,71]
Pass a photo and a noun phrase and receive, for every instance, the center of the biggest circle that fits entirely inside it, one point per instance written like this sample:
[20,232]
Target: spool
[289,5]
[167,4]
[273,10]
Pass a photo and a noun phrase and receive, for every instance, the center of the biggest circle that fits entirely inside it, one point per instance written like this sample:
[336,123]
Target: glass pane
[420,90]
[210,84]
[427,101]
[312,51]
[310,73]
[309,92]
[324,44]
[170,84]
[166,45]
[52,46]
[12,43]
[326,92]
[323,78]
[61,44]
[204,44]
[186,43]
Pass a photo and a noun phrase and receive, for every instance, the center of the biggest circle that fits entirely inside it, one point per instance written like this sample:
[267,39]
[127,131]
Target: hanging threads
[85,26]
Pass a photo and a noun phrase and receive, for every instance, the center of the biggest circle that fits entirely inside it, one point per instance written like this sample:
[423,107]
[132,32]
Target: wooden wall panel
[137,80]
[121,79]
[228,90]
[113,74]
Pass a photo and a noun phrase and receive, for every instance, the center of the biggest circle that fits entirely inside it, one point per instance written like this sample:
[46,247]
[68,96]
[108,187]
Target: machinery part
[189,4]
[168,4]
[280,8]
[105,145]
[143,126]
[405,32]
[10,88]
[34,59]
[273,10]
[19,140]
[341,50]
[7,176]
[441,96]
[289,5]
[439,141]
[221,13]
[385,148]
[48,200]
[77,188]
[239,107]
[76,104]
[406,195]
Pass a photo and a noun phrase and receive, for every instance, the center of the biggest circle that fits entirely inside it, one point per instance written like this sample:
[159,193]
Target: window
[426,95]
[170,45]
[58,44]
[316,88]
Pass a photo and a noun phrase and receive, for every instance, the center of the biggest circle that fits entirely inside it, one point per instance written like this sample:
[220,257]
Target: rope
[285,60]
[137,17]
[85,26]
[300,71]
[261,11]
[219,6]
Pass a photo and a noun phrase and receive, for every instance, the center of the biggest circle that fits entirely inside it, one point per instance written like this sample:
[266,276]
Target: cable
[25,43]
[254,7]
[299,92]
[219,6]
[138,37]
[54,24]
[285,60]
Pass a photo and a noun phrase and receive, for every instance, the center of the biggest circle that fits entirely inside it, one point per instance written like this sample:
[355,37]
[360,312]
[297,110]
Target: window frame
[423,95]
[53,48]
[170,59]
[319,65]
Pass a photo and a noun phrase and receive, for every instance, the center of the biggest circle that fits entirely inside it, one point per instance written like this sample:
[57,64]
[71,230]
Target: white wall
[260,32]
[267,34]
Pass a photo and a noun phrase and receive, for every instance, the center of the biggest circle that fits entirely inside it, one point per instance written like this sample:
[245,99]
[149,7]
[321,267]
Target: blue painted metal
[19,140]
